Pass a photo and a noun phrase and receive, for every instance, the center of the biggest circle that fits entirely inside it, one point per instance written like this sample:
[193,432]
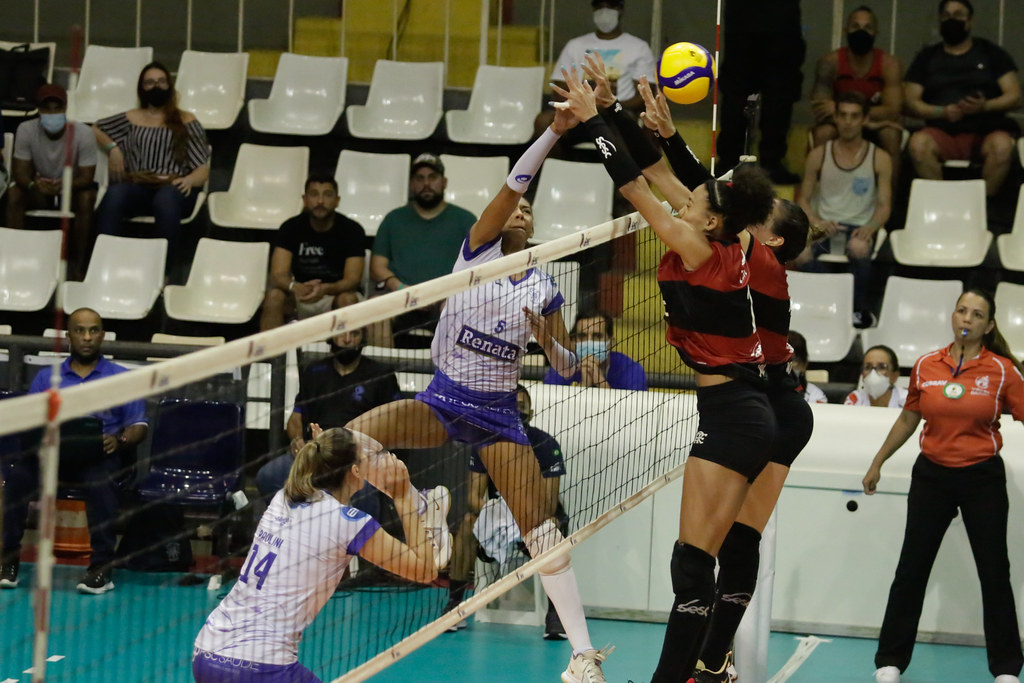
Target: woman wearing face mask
[812,393]
[879,372]
[960,391]
[158,160]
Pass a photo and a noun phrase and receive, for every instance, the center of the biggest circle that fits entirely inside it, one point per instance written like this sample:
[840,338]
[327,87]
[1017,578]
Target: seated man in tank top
[847,191]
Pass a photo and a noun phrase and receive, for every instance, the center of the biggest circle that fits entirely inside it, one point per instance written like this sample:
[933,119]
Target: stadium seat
[915,317]
[570,196]
[404,103]
[124,278]
[946,225]
[211,85]
[502,106]
[52,48]
[822,311]
[1010,315]
[266,188]
[161,338]
[226,283]
[567,276]
[371,185]
[473,181]
[6,329]
[8,151]
[29,268]
[307,97]
[1011,246]
[197,454]
[107,83]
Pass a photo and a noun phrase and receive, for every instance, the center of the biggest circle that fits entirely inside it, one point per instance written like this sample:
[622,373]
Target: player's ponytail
[994,341]
[321,464]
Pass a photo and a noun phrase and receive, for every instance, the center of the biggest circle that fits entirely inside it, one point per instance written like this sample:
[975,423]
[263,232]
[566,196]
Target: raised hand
[656,115]
[389,475]
[595,69]
[579,97]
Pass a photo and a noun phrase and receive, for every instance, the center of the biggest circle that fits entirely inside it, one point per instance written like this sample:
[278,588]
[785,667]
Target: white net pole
[48,459]
[751,644]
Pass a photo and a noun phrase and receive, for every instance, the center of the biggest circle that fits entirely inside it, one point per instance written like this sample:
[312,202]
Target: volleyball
[686,73]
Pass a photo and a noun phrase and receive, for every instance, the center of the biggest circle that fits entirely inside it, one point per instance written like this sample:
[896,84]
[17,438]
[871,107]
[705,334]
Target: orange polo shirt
[962,409]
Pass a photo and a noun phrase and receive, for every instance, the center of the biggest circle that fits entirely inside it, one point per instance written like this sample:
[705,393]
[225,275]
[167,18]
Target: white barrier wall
[837,548]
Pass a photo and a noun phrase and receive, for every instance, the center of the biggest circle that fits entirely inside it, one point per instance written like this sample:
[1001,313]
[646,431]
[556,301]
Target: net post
[751,644]
[43,593]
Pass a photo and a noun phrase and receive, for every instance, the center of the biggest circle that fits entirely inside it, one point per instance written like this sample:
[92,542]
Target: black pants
[979,491]
[96,481]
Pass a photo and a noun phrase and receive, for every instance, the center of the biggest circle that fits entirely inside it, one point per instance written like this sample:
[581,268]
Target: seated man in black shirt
[318,258]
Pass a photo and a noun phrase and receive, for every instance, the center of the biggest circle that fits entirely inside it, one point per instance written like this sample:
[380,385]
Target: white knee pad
[542,538]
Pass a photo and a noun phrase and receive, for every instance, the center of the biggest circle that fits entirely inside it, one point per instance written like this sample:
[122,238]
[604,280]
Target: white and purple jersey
[298,556]
[483,332]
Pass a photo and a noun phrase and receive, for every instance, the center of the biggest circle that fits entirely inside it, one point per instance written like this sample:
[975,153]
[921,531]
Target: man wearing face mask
[879,372]
[860,67]
[40,154]
[963,88]
[600,366]
[332,392]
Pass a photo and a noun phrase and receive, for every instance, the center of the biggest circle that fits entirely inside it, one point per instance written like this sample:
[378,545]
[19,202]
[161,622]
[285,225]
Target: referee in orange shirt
[961,391]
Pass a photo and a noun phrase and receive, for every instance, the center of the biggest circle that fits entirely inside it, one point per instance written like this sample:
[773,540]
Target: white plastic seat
[52,47]
[29,268]
[161,338]
[124,278]
[307,97]
[473,181]
[1011,247]
[107,83]
[266,188]
[915,317]
[1010,315]
[821,306]
[211,85]
[946,225]
[504,102]
[570,196]
[226,283]
[370,185]
[404,103]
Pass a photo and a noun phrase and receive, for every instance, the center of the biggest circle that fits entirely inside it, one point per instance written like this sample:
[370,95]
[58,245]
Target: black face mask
[345,356]
[525,418]
[155,97]
[953,31]
[860,41]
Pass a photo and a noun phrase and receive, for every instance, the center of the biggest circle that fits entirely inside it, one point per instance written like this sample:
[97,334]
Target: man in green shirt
[418,242]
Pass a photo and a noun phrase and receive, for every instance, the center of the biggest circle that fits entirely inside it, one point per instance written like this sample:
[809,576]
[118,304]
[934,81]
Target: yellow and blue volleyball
[686,73]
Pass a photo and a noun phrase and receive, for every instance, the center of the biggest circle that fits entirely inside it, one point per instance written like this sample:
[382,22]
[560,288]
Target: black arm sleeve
[614,155]
[637,142]
[684,162]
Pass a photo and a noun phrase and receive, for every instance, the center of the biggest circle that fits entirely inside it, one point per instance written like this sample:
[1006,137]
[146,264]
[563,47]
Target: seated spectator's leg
[891,140]
[16,207]
[121,201]
[824,132]
[170,207]
[996,153]
[101,508]
[345,299]
[80,240]
[926,152]
[21,478]
[276,304]
[859,253]
[271,477]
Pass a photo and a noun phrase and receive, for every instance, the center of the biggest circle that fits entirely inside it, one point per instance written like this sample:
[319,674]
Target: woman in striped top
[158,159]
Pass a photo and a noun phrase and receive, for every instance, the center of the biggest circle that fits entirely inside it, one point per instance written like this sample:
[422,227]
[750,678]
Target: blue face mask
[53,123]
[598,349]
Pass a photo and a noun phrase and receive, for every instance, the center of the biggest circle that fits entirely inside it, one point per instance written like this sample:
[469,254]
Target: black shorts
[793,425]
[735,428]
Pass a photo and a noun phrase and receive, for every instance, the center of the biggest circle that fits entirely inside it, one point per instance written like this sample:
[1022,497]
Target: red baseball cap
[51,91]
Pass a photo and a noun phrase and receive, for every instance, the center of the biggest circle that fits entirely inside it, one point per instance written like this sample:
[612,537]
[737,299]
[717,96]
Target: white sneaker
[1007,678]
[435,519]
[586,666]
[887,674]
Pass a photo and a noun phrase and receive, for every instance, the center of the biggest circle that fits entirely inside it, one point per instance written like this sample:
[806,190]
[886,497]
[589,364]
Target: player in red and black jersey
[704,279]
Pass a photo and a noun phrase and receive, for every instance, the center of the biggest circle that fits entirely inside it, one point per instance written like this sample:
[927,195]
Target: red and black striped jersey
[769,290]
[709,313]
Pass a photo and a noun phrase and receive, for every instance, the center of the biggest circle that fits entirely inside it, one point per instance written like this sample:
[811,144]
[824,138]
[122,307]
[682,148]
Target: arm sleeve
[684,162]
[116,127]
[637,141]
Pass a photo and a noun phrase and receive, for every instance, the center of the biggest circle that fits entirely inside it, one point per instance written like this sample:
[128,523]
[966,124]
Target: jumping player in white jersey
[301,549]
[478,348]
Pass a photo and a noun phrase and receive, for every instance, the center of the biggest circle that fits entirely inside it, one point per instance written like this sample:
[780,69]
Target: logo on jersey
[485,344]
[981,382]
[953,390]
[699,437]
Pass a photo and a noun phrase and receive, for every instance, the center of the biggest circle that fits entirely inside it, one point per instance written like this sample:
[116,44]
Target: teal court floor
[144,629]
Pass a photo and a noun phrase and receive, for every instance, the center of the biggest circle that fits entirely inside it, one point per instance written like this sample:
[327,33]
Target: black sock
[738,562]
[693,582]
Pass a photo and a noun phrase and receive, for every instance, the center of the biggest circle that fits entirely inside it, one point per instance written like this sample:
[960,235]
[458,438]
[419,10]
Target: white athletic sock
[565,595]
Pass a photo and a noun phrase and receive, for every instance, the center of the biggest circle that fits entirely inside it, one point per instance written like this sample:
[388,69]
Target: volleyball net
[188,498]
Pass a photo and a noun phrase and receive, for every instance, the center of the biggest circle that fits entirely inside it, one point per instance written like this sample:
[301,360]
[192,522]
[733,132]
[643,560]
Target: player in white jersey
[478,348]
[301,549]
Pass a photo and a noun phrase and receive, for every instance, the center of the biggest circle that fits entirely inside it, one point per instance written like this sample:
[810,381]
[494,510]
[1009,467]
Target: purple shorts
[474,417]
[210,668]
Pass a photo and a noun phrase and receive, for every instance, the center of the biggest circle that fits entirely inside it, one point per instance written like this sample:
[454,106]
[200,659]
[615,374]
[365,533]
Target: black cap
[427,159]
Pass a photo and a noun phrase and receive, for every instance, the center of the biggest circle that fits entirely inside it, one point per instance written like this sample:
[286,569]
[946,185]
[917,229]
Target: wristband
[684,162]
[938,110]
[111,147]
[620,166]
[640,147]
[291,285]
[564,361]
[528,165]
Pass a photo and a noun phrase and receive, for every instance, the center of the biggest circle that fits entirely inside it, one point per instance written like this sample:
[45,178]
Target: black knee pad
[693,573]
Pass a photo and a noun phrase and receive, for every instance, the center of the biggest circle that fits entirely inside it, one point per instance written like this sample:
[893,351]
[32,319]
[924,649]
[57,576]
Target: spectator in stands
[124,427]
[861,67]
[600,366]
[332,392]
[812,393]
[158,160]
[963,88]
[847,188]
[878,373]
[40,154]
[626,57]
[418,242]
[318,258]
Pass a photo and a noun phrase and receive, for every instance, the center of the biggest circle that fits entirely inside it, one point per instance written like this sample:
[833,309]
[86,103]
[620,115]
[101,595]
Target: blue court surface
[143,631]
